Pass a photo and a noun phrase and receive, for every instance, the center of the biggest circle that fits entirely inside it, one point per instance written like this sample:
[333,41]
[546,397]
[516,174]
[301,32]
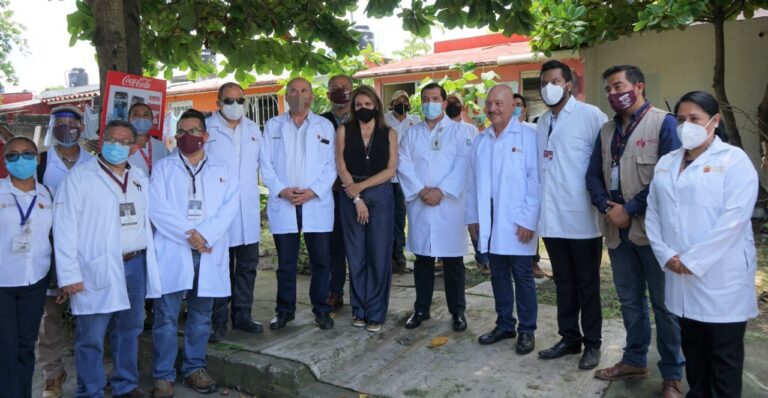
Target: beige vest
[635,170]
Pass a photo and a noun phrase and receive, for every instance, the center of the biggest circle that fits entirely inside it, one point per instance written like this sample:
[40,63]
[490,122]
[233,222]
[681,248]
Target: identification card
[615,178]
[548,154]
[436,144]
[128,219]
[21,244]
[194,209]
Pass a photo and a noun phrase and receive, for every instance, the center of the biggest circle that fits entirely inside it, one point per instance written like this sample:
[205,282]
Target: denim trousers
[507,297]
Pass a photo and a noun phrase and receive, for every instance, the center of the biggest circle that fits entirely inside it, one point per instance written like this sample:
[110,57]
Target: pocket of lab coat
[95,273]
[709,190]
[645,166]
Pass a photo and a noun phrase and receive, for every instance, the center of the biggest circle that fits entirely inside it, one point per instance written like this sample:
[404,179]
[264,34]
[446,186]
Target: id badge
[546,160]
[194,209]
[436,144]
[615,178]
[128,219]
[21,244]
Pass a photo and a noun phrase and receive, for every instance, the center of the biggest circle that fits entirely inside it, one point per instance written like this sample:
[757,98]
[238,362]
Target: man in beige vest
[618,176]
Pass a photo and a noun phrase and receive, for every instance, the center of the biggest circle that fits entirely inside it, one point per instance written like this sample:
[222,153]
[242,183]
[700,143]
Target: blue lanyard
[25,217]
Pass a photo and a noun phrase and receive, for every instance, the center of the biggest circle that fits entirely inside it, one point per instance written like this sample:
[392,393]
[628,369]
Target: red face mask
[189,144]
[339,96]
[620,102]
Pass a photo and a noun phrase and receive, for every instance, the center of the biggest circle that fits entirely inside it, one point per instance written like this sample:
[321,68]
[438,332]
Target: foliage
[469,87]
[10,38]
[415,46]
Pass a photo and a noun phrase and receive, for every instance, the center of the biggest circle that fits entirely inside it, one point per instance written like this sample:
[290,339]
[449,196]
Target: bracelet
[356,199]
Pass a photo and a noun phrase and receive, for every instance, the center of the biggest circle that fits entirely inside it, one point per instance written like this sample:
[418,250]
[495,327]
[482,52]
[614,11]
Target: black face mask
[452,110]
[365,115]
[401,108]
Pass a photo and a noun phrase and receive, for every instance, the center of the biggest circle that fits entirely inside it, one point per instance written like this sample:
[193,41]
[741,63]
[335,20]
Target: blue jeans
[369,252]
[635,268]
[338,261]
[21,309]
[243,261]
[196,330]
[522,295]
[124,328]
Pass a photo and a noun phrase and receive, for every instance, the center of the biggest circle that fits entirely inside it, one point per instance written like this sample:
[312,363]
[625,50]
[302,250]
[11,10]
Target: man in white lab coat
[503,211]
[236,140]
[298,166]
[433,173]
[194,200]
[105,261]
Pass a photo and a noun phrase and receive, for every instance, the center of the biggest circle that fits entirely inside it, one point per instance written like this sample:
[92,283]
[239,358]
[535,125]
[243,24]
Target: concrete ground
[303,361]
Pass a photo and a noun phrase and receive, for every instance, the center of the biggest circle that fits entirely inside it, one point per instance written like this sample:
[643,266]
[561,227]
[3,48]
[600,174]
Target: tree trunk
[718,20]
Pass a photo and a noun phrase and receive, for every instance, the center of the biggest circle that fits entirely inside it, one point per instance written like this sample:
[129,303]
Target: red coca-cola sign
[133,81]
[124,90]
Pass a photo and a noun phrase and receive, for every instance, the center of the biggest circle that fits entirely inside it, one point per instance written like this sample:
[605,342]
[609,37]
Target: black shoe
[280,319]
[248,326]
[590,359]
[324,321]
[496,335]
[525,343]
[218,333]
[459,322]
[560,349]
[415,320]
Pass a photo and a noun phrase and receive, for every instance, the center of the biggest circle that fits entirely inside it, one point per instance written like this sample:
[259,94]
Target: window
[179,107]
[261,108]
[532,93]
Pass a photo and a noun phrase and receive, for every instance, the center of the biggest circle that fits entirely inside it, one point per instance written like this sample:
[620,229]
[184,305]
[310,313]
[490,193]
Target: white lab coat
[246,226]
[55,170]
[169,194]
[86,230]
[703,215]
[319,174]
[437,158]
[508,167]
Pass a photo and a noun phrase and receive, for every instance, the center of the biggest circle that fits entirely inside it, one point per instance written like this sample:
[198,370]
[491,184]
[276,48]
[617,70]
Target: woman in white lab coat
[698,221]
[26,216]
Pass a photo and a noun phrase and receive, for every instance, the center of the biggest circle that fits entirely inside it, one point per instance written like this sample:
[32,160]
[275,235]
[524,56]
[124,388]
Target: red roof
[444,60]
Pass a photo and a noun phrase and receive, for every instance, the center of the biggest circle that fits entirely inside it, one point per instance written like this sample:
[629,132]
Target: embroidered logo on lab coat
[707,168]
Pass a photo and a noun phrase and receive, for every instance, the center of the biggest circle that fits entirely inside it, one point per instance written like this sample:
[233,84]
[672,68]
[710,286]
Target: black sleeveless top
[355,150]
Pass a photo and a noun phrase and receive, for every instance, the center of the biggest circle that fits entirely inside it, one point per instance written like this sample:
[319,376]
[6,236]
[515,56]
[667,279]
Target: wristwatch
[356,199]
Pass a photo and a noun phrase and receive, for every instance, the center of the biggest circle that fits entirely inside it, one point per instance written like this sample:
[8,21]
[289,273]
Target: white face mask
[233,112]
[692,135]
[552,94]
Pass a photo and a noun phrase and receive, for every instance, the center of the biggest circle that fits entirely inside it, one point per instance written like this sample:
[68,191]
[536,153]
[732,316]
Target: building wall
[206,101]
[676,62]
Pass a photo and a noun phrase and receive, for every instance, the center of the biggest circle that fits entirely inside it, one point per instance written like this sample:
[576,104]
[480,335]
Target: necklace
[370,144]
[68,162]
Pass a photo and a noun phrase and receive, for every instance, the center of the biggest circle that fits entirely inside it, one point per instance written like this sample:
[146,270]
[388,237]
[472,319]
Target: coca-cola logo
[141,82]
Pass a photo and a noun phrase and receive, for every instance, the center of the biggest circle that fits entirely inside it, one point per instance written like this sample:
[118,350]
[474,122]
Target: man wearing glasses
[235,139]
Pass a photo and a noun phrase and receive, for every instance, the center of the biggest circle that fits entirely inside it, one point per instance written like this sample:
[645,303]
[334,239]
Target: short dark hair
[136,104]
[632,72]
[120,123]
[226,86]
[193,114]
[334,77]
[516,95]
[555,64]
[434,85]
[708,104]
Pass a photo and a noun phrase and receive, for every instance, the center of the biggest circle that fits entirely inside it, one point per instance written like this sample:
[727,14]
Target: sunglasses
[230,101]
[12,157]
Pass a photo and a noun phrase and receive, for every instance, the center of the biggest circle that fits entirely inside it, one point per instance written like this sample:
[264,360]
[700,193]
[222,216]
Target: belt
[131,255]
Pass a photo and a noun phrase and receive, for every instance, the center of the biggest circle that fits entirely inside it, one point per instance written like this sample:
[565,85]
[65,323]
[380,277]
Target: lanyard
[619,140]
[193,175]
[25,217]
[147,159]
[123,185]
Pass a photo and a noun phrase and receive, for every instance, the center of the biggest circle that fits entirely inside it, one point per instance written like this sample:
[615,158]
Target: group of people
[108,232]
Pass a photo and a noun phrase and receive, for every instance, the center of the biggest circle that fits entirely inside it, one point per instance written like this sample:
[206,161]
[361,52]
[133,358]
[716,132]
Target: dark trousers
[338,261]
[369,253]
[424,277]
[399,226]
[714,357]
[576,271]
[507,297]
[243,262]
[21,309]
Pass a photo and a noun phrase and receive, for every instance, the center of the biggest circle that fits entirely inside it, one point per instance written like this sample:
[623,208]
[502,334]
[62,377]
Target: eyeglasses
[230,101]
[12,157]
[193,131]
[121,142]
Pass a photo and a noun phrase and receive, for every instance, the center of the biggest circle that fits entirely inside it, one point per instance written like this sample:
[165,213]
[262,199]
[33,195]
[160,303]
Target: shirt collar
[188,164]
[617,117]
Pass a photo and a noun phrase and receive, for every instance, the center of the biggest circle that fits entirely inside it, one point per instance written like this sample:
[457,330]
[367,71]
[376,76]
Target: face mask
[551,94]
[452,110]
[233,112]
[517,112]
[432,110]
[22,168]
[115,153]
[365,115]
[297,103]
[620,102]
[142,125]
[189,144]
[339,96]
[401,109]
[66,135]
[692,135]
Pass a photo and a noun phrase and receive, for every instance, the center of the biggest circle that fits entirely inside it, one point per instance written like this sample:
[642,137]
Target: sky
[49,56]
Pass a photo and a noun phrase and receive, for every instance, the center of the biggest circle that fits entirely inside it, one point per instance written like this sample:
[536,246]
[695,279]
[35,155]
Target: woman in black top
[366,158]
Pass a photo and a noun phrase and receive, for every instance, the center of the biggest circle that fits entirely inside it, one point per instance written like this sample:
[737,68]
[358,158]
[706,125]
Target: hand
[73,288]
[474,231]
[423,193]
[353,190]
[617,217]
[61,297]
[362,212]
[288,193]
[675,265]
[196,241]
[432,196]
[302,196]
[524,235]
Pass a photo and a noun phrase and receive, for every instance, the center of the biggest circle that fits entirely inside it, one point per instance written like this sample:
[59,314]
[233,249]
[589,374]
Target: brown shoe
[671,389]
[621,371]
[163,389]
[53,386]
[201,382]
[537,272]
[335,300]
[135,393]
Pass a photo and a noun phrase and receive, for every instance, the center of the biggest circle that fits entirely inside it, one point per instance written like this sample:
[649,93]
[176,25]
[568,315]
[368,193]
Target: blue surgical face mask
[517,112]
[142,125]
[432,110]
[115,153]
[22,168]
